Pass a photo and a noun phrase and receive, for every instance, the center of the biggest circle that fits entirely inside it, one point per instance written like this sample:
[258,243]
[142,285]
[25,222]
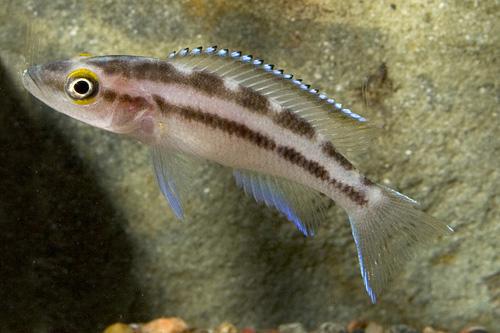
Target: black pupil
[82,87]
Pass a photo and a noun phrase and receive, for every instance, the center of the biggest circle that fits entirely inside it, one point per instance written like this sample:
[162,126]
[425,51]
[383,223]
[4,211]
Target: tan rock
[373,327]
[226,327]
[165,325]
[119,328]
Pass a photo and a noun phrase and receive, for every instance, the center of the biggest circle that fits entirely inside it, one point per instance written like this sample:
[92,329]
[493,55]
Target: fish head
[83,90]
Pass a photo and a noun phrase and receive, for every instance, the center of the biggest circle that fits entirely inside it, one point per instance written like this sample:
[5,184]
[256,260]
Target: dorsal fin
[347,130]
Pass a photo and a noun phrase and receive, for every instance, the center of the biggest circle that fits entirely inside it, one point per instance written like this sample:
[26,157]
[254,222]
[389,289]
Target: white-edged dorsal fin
[348,131]
[301,205]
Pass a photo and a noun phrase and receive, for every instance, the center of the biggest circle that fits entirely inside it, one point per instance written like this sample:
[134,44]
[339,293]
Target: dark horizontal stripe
[109,95]
[208,83]
[161,71]
[330,150]
[288,119]
[297,158]
[355,196]
[135,102]
[216,122]
[260,140]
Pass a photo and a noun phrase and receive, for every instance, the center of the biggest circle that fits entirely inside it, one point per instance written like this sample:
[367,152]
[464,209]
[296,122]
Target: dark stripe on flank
[260,140]
[109,95]
[134,100]
[208,83]
[137,102]
[355,196]
[216,122]
[291,121]
[161,71]
[297,158]
[328,148]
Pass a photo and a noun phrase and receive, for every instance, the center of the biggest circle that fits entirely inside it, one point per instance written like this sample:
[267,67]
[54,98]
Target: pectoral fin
[175,173]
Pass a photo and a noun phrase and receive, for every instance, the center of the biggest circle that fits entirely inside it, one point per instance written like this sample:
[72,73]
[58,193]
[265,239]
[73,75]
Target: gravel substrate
[176,325]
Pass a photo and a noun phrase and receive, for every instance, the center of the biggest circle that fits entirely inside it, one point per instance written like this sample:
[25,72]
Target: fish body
[285,142]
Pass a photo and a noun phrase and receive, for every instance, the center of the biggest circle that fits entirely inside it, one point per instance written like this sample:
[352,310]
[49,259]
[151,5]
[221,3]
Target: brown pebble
[247,330]
[474,329]
[165,325]
[119,328]
[357,326]
[226,327]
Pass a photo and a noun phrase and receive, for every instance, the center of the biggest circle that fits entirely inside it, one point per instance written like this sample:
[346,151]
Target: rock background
[86,238]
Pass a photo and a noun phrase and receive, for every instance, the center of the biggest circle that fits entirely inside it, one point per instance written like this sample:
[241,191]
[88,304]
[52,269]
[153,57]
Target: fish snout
[31,78]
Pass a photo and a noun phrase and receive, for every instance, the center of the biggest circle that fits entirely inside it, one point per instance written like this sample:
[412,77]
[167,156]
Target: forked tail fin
[385,235]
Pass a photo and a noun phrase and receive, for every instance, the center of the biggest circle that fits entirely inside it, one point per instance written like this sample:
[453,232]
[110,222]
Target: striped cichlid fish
[285,142]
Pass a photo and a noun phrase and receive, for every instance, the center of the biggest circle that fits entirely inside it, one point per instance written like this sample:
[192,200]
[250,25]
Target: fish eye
[82,86]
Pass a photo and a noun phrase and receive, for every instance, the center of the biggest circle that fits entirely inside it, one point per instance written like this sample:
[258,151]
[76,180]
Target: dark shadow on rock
[64,260]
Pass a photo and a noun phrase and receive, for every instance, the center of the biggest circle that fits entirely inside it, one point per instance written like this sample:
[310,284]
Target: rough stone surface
[292,328]
[402,329]
[331,327]
[86,238]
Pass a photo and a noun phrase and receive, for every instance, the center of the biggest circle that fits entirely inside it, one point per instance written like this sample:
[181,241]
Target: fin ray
[174,172]
[347,130]
[386,235]
[301,205]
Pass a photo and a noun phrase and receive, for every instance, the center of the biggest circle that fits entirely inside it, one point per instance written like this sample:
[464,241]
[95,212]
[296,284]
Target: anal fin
[305,207]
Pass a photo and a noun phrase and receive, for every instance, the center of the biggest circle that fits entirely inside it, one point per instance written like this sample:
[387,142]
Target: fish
[287,144]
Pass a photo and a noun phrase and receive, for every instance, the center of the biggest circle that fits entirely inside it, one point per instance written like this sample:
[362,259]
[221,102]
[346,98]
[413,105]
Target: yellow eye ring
[82,86]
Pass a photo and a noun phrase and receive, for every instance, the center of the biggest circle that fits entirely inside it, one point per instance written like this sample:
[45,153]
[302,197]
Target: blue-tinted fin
[364,273]
[223,52]
[211,49]
[174,173]
[197,50]
[268,67]
[302,206]
[169,192]
[386,234]
[246,58]
[258,62]
[235,54]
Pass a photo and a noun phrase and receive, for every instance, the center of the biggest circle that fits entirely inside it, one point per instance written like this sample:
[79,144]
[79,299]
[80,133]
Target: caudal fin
[385,235]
